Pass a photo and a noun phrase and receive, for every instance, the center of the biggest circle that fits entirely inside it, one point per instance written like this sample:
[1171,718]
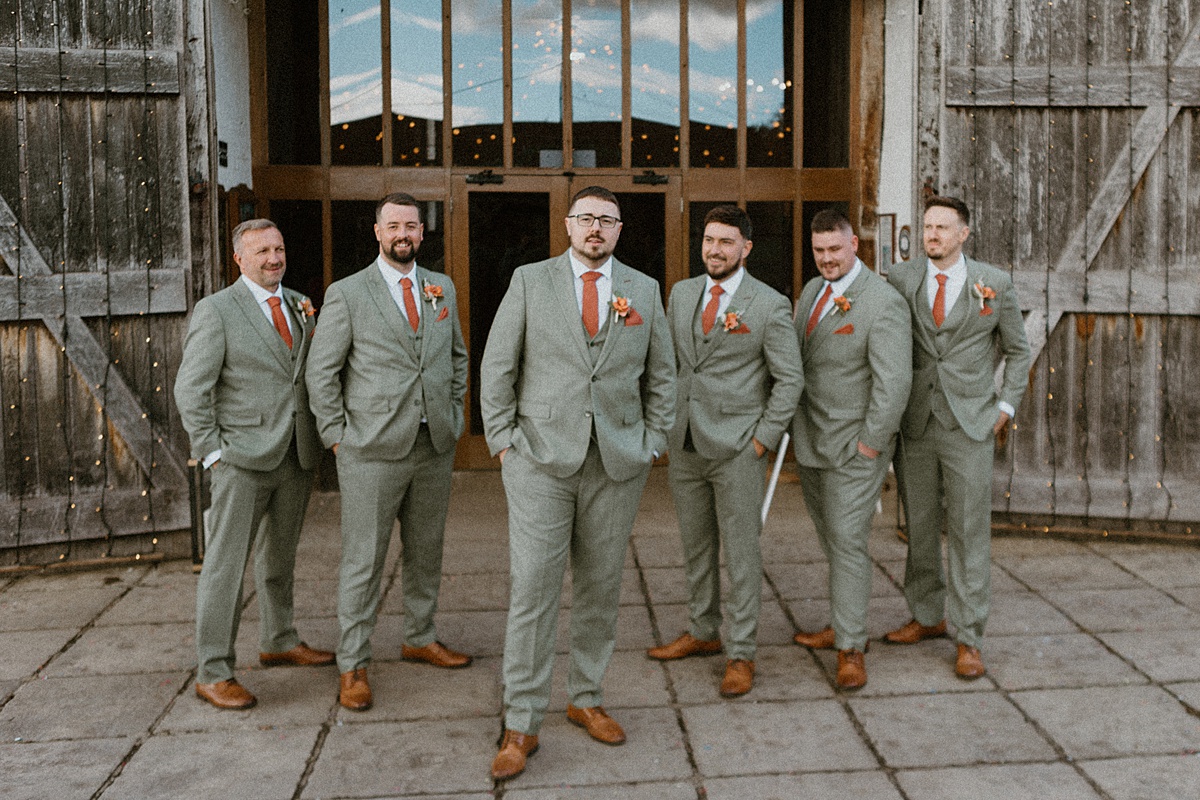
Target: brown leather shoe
[851,670]
[969,664]
[739,678]
[599,725]
[299,656]
[514,749]
[686,645]
[355,691]
[437,654]
[821,640]
[226,694]
[913,632]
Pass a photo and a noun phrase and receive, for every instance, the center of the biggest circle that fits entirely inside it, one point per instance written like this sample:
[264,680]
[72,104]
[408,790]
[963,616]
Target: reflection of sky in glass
[654,60]
[417,58]
[477,51]
[712,57]
[354,56]
[537,60]
[765,79]
[596,60]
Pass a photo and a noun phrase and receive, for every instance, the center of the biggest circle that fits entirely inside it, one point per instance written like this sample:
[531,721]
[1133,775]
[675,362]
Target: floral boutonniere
[984,293]
[732,322]
[433,293]
[305,307]
[623,311]
[843,304]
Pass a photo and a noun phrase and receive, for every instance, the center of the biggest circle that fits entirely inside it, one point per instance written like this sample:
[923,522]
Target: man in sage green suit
[387,376]
[964,312]
[856,341]
[242,399]
[739,379]
[578,393]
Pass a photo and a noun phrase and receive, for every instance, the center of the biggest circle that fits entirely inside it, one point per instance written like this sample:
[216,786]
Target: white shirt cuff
[211,458]
[1006,408]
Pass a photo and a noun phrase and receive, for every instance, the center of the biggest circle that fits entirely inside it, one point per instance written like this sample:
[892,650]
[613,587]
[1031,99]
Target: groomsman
[578,394]
[964,312]
[241,396]
[387,376]
[856,340]
[739,379]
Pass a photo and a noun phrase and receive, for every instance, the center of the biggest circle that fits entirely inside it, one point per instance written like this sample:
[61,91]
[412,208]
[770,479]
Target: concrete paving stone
[288,697]
[631,681]
[1163,655]
[643,791]
[115,578]
[774,627]
[458,593]
[1035,545]
[406,691]
[1024,613]
[781,672]
[88,707]
[169,573]
[399,758]
[813,786]
[883,614]
[800,581]
[319,633]
[1102,722]
[126,649]
[7,688]
[1053,661]
[1144,609]
[423,796]
[633,629]
[26,609]
[58,770]
[791,547]
[923,668]
[24,652]
[949,730]
[479,633]
[1188,694]
[884,544]
[1149,778]
[266,765]
[1188,595]
[1005,583]
[1062,572]
[567,756]
[169,599]
[470,557]
[1156,564]
[310,600]
[1001,782]
[667,585]
[745,738]
[658,551]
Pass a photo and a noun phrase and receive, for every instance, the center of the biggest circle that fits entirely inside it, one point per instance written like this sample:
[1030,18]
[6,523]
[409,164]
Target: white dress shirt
[728,286]
[392,277]
[603,286]
[839,290]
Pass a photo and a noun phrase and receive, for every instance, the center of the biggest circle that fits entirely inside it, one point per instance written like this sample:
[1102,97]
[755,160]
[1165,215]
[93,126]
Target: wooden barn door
[1071,130]
[103,192]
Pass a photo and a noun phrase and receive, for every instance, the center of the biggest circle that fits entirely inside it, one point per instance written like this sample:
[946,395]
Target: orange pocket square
[445,313]
[848,328]
[633,317]
[741,329]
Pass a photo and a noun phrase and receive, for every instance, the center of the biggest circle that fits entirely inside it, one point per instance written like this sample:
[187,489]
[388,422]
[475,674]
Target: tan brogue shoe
[913,632]
[821,640]
[969,664]
[299,656]
[226,694]
[599,725]
[437,654]
[739,678]
[686,645]
[514,749]
[355,691]
[851,670]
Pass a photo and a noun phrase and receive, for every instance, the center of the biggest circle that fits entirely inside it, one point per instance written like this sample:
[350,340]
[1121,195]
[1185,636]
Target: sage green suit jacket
[541,393]
[857,372]
[964,372]
[240,389]
[371,380]
[734,386]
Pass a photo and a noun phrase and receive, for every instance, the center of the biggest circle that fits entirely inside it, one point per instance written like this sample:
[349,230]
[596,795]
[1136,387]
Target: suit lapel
[562,284]
[299,335]
[740,302]
[257,320]
[923,314]
[803,309]
[622,285]
[393,319]
[689,295]
[832,319]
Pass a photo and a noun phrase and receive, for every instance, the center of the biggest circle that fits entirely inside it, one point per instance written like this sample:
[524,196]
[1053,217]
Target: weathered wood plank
[46,69]
[48,520]
[92,294]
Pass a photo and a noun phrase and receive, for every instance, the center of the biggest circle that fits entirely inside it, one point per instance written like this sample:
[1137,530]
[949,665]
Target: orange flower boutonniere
[842,303]
[984,293]
[433,292]
[732,320]
[305,307]
[620,306]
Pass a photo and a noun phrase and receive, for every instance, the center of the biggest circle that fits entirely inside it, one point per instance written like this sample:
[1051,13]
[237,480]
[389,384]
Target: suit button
[587,413]
[595,378]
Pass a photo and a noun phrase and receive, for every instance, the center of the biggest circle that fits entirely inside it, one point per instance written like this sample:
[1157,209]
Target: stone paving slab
[1003,782]
[165,601]
[774,627]
[24,652]
[1163,655]
[1145,609]
[1158,566]
[405,691]
[311,599]
[288,697]
[91,707]
[883,614]
[645,791]
[1049,573]
[1188,693]
[632,681]
[1152,778]
[1015,613]
[1188,595]
[923,668]
[863,785]
[58,770]
[1046,662]
[791,548]
[129,649]
[30,609]
[782,672]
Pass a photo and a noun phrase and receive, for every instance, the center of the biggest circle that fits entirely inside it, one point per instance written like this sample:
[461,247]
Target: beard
[595,249]
[403,251]
[720,270]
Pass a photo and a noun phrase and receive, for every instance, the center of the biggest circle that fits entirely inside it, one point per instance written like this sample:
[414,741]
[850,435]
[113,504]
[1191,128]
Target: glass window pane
[712,83]
[596,82]
[826,83]
[537,83]
[293,82]
[477,83]
[355,82]
[771,258]
[654,73]
[416,83]
[643,242]
[300,223]
[768,83]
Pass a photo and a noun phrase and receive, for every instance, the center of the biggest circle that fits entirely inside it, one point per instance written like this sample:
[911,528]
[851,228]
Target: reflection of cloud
[361,96]
[417,97]
[339,83]
[424,23]
[353,19]
[712,24]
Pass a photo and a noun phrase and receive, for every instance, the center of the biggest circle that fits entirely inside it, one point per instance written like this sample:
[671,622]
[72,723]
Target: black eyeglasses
[586,220]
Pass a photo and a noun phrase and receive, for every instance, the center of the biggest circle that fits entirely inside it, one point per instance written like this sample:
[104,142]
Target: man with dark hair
[964,311]
[387,377]
[739,379]
[856,340]
[578,393]
[243,402]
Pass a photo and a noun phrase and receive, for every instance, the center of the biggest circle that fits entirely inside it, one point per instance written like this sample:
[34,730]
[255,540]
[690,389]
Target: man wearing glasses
[577,393]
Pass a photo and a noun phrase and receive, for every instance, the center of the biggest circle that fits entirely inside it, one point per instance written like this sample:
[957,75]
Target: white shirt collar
[729,285]
[261,295]
[578,267]
[843,283]
[959,268]
[393,275]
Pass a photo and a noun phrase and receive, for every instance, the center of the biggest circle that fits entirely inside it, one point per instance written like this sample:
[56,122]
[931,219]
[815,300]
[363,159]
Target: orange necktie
[939,300]
[410,304]
[280,323]
[815,317]
[591,303]
[709,317]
